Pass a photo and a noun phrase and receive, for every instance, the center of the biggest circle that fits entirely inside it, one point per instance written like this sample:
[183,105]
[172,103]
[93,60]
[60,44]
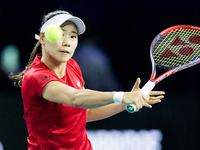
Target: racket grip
[146,89]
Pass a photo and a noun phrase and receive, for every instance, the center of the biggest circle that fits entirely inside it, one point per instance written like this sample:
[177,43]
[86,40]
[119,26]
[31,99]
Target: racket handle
[146,89]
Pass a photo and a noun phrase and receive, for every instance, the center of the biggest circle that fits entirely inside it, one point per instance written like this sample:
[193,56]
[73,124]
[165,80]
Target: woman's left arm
[104,112]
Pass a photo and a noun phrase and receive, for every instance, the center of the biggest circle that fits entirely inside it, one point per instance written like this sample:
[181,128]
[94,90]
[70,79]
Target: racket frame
[172,69]
[146,89]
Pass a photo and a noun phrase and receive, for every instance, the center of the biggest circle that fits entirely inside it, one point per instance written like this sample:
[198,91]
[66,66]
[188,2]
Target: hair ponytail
[19,77]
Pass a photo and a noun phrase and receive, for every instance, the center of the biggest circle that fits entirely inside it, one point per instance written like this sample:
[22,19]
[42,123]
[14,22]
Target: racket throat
[146,89]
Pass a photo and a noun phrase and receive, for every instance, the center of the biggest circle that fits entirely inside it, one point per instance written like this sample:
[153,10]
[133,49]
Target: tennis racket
[174,49]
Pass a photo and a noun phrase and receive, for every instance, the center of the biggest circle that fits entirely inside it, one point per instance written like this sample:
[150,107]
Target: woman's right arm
[58,92]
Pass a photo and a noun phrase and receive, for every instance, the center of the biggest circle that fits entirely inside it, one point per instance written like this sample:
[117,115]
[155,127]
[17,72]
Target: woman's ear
[41,39]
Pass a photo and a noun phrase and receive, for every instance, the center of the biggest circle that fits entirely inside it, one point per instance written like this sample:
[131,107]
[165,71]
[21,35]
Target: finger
[136,85]
[154,101]
[145,98]
[147,105]
[156,97]
[157,93]
[137,107]
[139,104]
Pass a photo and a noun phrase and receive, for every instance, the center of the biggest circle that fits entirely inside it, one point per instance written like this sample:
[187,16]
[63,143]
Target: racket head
[176,47]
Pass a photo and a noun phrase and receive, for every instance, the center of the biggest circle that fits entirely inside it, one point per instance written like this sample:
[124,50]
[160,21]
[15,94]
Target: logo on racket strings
[181,47]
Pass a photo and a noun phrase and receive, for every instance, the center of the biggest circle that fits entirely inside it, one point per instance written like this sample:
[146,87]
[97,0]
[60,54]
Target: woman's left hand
[153,98]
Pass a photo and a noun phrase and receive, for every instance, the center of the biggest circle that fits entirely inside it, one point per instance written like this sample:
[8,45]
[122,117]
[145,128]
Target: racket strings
[185,51]
[173,51]
[188,49]
[177,48]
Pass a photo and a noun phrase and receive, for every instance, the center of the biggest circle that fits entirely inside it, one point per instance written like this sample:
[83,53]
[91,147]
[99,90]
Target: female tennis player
[56,104]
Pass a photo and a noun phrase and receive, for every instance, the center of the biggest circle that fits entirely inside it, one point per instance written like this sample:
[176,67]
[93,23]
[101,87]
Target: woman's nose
[66,41]
[66,44]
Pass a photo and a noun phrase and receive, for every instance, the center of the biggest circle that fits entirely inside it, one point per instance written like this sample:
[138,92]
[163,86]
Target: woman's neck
[56,67]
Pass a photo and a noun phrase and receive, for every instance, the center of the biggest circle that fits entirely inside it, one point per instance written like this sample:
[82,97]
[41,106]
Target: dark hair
[19,77]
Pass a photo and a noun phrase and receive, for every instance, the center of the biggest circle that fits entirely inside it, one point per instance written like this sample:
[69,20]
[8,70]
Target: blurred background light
[125,139]
[10,59]
[1,146]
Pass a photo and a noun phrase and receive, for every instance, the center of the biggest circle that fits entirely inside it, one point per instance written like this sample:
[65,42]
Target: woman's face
[62,50]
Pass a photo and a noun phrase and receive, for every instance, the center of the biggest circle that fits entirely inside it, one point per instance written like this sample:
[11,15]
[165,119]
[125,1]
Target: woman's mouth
[66,52]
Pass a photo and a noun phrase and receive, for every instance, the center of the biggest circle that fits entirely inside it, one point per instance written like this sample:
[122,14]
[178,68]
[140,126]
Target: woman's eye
[73,36]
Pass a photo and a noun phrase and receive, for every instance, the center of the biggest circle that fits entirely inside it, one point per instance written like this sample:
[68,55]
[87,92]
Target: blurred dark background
[122,31]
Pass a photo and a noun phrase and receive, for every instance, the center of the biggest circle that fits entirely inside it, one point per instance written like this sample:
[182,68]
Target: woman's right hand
[136,98]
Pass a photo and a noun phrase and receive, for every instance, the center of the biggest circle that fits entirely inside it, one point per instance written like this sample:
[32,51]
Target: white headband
[60,19]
